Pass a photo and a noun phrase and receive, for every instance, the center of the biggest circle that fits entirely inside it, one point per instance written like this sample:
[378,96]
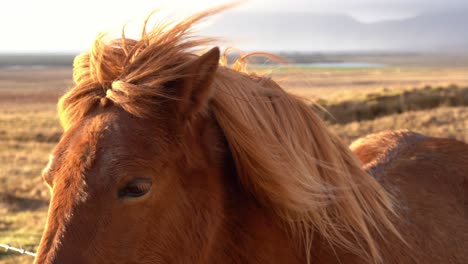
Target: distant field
[29,126]
[339,84]
[391,59]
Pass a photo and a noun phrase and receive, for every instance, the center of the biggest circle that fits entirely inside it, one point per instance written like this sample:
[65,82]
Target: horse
[169,156]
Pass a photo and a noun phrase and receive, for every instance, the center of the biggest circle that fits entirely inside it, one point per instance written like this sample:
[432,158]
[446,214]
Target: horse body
[428,178]
[168,158]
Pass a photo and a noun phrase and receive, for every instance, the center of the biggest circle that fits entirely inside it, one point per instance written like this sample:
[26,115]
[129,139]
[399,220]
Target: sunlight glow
[70,26]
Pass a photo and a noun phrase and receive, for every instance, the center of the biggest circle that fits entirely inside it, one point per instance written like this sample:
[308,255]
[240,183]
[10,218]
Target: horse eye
[135,189]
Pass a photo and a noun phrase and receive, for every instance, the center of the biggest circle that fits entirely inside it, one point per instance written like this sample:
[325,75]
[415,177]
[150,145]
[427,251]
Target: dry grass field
[428,100]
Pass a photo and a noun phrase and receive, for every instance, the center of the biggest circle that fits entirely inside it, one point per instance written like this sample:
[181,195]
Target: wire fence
[18,250]
[18,246]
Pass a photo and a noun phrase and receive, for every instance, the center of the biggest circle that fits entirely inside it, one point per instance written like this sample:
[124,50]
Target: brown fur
[240,171]
[429,177]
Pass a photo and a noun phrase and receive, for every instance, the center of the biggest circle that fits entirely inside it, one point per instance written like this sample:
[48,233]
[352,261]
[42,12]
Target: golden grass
[336,84]
[31,123]
[368,106]
[22,229]
[451,122]
[29,127]
[23,197]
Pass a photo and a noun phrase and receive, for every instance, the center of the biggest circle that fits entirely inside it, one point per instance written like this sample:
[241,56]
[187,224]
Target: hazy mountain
[431,32]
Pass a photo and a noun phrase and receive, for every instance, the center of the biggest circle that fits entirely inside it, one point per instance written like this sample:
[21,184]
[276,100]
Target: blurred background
[373,64]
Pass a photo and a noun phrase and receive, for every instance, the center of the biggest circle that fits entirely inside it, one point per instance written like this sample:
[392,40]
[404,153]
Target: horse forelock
[283,153]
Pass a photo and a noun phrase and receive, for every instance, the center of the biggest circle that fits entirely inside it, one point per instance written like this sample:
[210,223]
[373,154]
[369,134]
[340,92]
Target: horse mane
[283,153]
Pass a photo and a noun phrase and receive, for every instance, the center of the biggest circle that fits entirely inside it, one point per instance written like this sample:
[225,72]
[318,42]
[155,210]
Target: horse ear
[196,88]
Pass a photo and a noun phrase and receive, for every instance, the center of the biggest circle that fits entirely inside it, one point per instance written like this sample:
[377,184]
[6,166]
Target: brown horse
[169,157]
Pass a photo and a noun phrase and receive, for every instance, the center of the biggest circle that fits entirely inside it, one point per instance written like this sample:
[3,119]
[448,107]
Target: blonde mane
[283,153]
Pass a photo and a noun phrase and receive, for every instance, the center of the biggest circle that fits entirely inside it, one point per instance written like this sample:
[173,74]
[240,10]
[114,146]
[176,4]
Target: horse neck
[251,232]
[248,231]
[291,164]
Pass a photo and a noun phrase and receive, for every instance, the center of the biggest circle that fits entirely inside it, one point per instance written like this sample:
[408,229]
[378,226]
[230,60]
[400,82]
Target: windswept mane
[283,153]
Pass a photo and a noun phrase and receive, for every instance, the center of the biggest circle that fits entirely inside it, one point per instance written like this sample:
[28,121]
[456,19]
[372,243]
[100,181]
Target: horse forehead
[80,147]
[93,133]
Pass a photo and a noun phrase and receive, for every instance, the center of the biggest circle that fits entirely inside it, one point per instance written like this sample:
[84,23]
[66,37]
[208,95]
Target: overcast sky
[64,26]
[363,9]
